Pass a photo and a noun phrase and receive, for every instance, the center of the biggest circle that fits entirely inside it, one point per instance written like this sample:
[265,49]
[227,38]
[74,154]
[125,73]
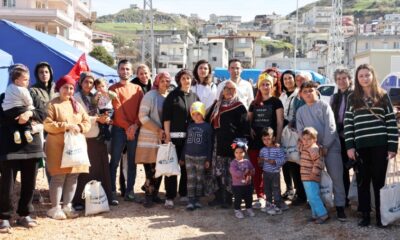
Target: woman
[287,98]
[97,149]
[371,136]
[152,134]
[277,86]
[63,114]
[228,117]
[22,157]
[176,117]
[203,86]
[338,103]
[318,114]
[265,111]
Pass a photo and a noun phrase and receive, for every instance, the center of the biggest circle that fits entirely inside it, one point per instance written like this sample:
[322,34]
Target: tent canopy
[392,80]
[29,47]
[6,61]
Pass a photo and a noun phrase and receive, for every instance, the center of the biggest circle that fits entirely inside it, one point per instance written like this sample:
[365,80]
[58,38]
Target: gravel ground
[133,221]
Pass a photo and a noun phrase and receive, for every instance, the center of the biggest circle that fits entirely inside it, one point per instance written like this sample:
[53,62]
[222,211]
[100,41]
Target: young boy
[310,170]
[197,153]
[272,159]
[104,99]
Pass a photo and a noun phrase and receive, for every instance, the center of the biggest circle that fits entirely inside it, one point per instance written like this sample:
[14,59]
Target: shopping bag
[167,161]
[390,195]
[289,141]
[353,192]
[75,151]
[95,198]
[326,189]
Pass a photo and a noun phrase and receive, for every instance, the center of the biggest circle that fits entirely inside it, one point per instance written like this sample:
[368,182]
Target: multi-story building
[104,39]
[68,20]
[389,25]
[318,18]
[221,25]
[213,51]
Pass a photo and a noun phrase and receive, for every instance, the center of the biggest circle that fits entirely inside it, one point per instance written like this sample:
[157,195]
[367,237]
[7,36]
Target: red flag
[79,67]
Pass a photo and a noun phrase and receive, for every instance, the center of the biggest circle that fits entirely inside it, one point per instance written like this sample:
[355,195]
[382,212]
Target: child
[17,100]
[310,170]
[272,159]
[197,154]
[104,98]
[241,170]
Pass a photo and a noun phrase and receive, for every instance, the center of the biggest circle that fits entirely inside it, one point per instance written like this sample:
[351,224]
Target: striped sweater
[272,153]
[310,164]
[363,129]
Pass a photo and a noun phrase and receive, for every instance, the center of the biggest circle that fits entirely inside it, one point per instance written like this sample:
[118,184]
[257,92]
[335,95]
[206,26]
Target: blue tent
[28,46]
[6,61]
[391,81]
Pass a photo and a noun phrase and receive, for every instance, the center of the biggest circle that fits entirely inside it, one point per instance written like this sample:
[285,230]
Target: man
[244,88]
[44,86]
[143,78]
[125,124]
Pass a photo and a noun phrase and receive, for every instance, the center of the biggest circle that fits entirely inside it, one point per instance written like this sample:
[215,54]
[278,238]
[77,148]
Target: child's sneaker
[278,211]
[70,211]
[17,137]
[266,207]
[257,204]
[250,212]
[198,205]
[190,207]
[56,213]
[283,206]
[239,214]
[169,204]
[28,136]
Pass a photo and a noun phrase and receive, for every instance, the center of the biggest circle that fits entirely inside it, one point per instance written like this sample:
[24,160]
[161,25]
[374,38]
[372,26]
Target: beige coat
[59,114]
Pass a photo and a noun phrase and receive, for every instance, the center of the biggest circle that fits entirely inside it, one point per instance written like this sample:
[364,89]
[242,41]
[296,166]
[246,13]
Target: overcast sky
[245,8]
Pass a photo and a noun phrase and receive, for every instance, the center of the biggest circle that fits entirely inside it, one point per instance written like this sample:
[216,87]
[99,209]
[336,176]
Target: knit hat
[64,80]
[198,107]
[265,77]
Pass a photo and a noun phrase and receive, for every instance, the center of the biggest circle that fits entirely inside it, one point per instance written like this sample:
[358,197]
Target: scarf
[90,105]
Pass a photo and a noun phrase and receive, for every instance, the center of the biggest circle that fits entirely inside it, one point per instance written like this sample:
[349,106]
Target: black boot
[341,216]
[365,220]
[148,202]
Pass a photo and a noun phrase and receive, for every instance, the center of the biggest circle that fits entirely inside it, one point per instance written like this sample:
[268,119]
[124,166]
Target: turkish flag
[79,67]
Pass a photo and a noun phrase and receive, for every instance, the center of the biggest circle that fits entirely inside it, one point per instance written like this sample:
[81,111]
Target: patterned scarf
[90,104]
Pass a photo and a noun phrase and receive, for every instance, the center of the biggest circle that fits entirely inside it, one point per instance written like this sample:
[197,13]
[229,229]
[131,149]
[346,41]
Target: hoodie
[45,93]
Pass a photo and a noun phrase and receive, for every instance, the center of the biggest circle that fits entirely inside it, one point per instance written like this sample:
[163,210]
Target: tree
[101,54]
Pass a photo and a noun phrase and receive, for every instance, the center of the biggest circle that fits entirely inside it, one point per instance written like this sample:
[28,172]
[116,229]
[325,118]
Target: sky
[245,8]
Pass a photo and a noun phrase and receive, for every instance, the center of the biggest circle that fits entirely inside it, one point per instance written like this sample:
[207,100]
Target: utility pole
[336,40]
[148,36]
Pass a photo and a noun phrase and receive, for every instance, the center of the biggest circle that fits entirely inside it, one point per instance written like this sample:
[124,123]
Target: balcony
[171,59]
[82,10]
[36,15]
[81,27]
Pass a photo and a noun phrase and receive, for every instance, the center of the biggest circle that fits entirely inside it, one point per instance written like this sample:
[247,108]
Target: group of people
[227,138]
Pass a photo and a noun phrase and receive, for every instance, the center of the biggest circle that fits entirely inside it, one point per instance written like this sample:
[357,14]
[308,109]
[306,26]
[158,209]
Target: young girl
[104,98]
[310,170]
[241,170]
[271,160]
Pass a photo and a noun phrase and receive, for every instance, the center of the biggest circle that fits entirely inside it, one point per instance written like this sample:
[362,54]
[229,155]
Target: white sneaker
[250,212]
[266,207]
[56,213]
[28,136]
[70,211]
[239,214]
[17,137]
[169,204]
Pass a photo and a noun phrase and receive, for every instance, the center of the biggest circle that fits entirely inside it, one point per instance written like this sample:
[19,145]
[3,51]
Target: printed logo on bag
[74,151]
[166,161]
[395,209]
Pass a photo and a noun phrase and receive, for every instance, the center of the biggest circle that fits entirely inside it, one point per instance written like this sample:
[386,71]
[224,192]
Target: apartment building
[213,51]
[68,20]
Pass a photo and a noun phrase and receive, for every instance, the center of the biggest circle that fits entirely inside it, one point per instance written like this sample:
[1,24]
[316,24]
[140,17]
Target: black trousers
[9,169]
[298,184]
[287,174]
[345,159]
[242,193]
[152,184]
[171,182]
[373,168]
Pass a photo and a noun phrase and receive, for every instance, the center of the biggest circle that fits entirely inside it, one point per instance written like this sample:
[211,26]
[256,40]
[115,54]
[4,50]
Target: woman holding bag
[370,132]
[97,149]
[63,114]
[151,135]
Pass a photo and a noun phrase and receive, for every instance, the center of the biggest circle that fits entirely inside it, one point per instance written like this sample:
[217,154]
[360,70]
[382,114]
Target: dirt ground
[133,221]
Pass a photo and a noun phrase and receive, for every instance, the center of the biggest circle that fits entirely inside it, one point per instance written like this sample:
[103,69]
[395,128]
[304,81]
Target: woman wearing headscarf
[64,114]
[228,117]
[152,134]
[97,149]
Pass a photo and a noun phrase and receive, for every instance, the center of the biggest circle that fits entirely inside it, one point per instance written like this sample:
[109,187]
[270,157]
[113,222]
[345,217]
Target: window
[242,40]
[214,59]
[41,28]
[366,45]
[40,4]
[8,3]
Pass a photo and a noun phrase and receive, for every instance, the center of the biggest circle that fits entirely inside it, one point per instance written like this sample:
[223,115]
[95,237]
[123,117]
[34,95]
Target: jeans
[272,187]
[119,140]
[313,195]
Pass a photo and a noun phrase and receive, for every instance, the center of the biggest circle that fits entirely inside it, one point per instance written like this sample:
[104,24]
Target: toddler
[241,170]
[104,99]
[272,159]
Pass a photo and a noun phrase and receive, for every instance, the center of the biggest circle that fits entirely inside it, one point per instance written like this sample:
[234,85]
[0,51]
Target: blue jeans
[118,143]
[314,199]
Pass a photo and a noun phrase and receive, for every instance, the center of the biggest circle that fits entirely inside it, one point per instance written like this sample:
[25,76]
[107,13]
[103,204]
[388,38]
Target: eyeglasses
[229,89]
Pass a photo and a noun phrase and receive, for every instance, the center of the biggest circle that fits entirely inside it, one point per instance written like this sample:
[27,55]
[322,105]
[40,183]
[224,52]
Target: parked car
[326,91]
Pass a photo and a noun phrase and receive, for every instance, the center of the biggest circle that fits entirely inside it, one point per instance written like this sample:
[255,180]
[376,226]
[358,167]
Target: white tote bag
[167,161]
[95,198]
[289,143]
[326,189]
[75,151]
[390,194]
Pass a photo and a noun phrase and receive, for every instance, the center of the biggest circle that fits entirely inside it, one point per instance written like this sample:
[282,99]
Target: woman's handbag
[75,151]
[289,143]
[167,161]
[95,198]
[390,194]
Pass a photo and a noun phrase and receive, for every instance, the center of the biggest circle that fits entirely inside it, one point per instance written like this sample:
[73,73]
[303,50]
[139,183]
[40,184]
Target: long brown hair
[377,93]
[277,87]
[208,79]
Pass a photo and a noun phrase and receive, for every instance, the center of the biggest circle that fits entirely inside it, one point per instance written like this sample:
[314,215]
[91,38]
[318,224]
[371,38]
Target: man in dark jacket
[44,86]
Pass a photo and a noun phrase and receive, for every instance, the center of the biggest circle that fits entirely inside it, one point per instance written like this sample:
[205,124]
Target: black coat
[9,150]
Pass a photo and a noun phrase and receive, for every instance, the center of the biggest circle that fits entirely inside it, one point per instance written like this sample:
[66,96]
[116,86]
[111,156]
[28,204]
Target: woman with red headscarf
[152,134]
[63,114]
